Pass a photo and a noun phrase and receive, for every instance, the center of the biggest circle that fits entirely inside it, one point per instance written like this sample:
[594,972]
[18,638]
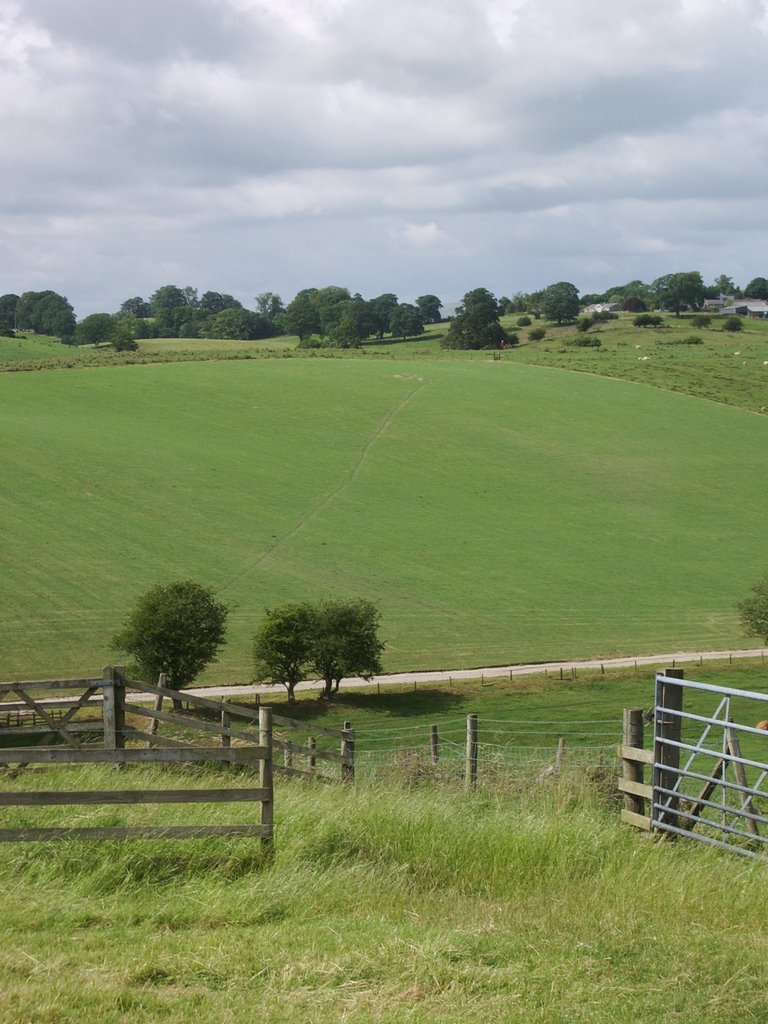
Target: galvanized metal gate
[709,766]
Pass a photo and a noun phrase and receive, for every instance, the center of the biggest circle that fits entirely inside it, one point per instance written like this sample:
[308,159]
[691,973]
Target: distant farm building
[755,309]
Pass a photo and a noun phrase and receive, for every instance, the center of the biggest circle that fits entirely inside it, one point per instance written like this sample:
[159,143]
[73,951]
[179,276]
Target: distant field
[725,367]
[30,347]
[496,512]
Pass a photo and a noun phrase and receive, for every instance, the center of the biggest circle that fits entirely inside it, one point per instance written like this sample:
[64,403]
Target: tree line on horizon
[334,317]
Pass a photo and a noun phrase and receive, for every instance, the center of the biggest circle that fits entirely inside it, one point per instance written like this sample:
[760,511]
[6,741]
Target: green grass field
[380,907]
[496,512]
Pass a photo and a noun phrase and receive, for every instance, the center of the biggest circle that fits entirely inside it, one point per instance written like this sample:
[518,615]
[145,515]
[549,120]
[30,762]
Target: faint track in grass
[331,495]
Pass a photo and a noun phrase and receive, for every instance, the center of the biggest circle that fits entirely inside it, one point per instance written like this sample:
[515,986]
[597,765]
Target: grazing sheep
[762,725]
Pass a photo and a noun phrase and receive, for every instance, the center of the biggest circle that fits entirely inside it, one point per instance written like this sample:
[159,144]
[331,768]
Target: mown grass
[385,906]
[495,512]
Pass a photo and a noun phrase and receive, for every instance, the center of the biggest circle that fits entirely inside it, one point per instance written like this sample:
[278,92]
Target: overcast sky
[410,146]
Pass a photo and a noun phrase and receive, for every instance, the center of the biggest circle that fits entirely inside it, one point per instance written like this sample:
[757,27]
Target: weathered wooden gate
[90,728]
[709,765]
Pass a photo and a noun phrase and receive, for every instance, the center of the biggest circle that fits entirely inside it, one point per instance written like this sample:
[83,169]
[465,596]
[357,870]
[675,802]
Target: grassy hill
[495,511]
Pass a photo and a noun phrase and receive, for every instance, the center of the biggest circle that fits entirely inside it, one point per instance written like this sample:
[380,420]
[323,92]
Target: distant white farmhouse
[603,307]
[755,309]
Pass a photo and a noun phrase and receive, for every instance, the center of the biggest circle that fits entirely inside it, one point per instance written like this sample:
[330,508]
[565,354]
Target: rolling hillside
[495,511]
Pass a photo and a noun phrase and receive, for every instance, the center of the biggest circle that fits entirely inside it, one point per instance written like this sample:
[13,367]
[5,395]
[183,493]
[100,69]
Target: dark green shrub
[604,315]
[584,341]
[733,323]
[692,339]
[537,334]
[584,323]
[648,320]
[524,321]
[701,320]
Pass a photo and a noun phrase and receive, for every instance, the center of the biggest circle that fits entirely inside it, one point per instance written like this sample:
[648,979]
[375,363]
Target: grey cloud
[418,144]
[143,31]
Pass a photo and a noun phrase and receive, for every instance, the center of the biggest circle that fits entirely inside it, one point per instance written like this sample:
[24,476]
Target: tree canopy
[560,302]
[46,313]
[757,288]
[476,324]
[176,628]
[8,304]
[429,307]
[406,321]
[753,610]
[345,641]
[283,644]
[676,292]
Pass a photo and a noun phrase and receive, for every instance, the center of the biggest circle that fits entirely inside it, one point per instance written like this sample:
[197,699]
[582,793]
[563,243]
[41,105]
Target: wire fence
[490,749]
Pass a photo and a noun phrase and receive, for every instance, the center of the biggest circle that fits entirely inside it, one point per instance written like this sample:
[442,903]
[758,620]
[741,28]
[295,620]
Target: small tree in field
[282,646]
[176,628]
[753,611]
[733,323]
[345,642]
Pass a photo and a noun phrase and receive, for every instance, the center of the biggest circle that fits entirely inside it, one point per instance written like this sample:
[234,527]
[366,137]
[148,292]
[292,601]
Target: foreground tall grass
[384,904]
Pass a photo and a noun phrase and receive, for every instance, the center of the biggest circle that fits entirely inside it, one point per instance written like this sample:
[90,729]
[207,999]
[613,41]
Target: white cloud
[421,235]
[420,147]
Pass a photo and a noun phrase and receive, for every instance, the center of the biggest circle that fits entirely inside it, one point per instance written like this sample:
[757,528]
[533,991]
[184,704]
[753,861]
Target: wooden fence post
[470,770]
[154,725]
[348,752]
[265,774]
[666,756]
[312,744]
[226,721]
[560,756]
[633,771]
[434,744]
[113,708]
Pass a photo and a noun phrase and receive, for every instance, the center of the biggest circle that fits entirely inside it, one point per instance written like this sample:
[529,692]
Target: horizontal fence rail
[105,737]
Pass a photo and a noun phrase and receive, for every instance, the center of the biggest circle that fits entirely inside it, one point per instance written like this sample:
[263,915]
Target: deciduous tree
[560,302]
[8,304]
[176,628]
[476,324]
[676,292]
[345,641]
[753,610]
[282,646]
[757,288]
[405,321]
[46,313]
[95,329]
[429,307]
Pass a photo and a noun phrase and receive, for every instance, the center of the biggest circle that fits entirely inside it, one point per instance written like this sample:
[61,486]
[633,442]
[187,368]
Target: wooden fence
[87,721]
[702,784]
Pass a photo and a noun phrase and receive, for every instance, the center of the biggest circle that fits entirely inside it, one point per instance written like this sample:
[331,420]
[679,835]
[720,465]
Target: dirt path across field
[500,671]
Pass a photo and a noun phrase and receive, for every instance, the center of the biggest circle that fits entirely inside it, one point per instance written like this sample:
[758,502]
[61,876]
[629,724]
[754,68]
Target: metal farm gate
[709,765]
